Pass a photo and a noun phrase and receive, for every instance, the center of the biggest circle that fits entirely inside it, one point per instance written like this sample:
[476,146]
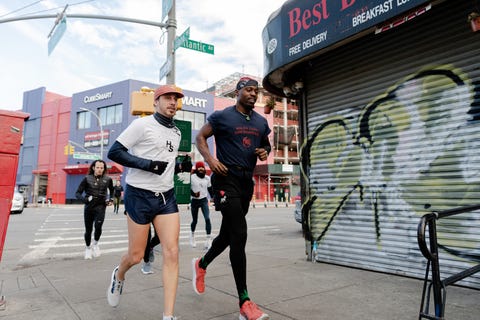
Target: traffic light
[68,149]
[141,102]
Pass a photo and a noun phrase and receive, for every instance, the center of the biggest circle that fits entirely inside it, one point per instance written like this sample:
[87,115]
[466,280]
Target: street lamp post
[101,130]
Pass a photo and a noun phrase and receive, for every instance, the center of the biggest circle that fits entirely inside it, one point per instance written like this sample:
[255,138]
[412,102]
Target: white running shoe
[114,289]
[208,242]
[96,251]
[147,268]
[193,243]
[88,253]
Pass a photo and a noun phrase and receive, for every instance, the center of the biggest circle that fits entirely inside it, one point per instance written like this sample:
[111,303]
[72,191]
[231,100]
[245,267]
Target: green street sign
[181,39]
[198,46]
[86,156]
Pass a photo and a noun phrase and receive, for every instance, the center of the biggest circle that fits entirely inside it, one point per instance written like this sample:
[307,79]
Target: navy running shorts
[143,205]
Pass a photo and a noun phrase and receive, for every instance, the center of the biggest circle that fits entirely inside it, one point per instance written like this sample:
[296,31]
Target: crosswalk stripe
[55,240]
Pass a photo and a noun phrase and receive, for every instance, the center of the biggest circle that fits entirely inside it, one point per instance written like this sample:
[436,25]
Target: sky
[94,53]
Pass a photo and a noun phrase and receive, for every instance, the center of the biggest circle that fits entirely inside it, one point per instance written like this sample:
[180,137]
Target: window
[111,114]
[196,118]
[84,120]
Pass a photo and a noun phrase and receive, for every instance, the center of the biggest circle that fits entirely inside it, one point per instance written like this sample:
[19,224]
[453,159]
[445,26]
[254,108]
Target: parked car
[25,199]
[298,208]
[18,203]
[42,199]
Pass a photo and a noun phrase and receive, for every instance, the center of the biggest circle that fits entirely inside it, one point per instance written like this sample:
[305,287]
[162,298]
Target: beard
[201,175]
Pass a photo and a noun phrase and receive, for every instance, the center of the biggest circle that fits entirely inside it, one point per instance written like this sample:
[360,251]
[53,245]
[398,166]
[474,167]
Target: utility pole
[101,129]
[171,32]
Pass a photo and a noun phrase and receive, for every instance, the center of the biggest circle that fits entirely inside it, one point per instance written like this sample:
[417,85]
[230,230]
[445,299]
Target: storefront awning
[83,168]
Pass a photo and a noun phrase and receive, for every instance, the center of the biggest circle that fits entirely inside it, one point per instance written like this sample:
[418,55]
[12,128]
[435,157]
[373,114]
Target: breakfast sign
[302,27]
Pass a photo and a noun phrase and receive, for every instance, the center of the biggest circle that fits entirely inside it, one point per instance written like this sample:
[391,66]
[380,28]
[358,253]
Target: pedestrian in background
[241,137]
[149,255]
[149,148]
[117,196]
[92,191]
[200,188]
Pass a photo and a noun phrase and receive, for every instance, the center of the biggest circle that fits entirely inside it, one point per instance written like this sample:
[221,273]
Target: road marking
[61,241]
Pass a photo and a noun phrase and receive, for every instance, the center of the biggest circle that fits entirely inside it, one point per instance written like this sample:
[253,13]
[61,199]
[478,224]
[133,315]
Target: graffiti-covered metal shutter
[393,133]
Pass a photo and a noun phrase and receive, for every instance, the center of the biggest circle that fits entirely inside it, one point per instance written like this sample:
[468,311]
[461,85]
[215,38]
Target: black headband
[246,82]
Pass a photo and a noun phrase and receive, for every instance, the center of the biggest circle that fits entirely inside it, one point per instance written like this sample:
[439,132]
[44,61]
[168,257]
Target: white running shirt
[200,185]
[148,139]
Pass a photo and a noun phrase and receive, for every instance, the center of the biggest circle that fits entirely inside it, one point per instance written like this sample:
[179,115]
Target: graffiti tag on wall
[412,150]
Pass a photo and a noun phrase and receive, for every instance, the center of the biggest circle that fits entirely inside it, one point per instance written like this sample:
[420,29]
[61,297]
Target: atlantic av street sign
[198,46]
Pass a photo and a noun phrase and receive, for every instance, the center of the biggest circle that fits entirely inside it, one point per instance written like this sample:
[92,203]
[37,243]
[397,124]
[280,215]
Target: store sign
[98,97]
[194,99]
[303,27]
[194,102]
[93,139]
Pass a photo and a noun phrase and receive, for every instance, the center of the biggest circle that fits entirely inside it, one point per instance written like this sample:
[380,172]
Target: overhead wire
[19,9]
[40,11]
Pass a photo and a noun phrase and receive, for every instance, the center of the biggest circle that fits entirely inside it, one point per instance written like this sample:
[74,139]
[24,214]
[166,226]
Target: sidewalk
[284,288]
[280,280]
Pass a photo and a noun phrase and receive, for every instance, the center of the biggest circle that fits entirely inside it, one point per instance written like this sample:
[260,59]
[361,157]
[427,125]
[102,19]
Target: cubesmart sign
[197,101]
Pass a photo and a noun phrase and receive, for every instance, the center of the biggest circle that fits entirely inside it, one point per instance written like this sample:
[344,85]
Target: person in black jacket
[117,196]
[92,191]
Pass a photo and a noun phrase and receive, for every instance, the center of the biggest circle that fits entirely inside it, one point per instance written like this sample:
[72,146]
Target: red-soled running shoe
[250,311]
[198,278]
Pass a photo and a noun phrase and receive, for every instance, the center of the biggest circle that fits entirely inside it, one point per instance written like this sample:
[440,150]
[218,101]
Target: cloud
[95,52]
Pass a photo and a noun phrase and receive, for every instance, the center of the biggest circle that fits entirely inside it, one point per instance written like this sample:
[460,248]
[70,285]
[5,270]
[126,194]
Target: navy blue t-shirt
[236,137]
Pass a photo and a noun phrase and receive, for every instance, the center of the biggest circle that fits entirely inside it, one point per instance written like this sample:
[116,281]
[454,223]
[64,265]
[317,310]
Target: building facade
[65,134]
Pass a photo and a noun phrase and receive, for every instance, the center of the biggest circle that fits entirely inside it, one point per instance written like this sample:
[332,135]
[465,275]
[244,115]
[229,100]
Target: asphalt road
[45,234]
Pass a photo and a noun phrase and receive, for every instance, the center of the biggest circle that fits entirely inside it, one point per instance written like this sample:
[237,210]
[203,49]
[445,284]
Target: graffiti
[412,150]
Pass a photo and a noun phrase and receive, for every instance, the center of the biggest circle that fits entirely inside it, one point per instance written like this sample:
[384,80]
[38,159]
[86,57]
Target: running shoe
[169,318]
[208,243]
[250,311]
[114,289]
[147,268]
[193,243]
[198,279]
[88,253]
[96,251]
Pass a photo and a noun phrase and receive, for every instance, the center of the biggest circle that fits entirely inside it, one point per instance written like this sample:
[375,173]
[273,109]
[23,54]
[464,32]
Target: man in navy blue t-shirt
[241,137]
